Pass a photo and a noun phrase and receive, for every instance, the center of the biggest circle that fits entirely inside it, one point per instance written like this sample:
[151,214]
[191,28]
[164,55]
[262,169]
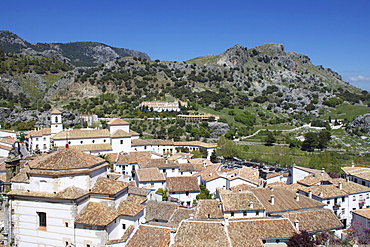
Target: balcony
[336,206]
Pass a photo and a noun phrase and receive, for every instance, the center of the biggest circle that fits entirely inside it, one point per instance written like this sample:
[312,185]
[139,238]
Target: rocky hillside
[76,53]
[284,86]
[360,125]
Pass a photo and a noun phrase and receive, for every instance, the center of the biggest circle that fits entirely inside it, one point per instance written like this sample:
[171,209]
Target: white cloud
[358,78]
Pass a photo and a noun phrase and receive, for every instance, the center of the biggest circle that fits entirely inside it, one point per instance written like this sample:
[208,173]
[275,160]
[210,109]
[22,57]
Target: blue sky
[334,34]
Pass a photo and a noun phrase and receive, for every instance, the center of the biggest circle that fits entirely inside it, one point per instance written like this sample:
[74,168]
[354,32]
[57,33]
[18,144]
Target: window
[257,213]
[121,142]
[93,141]
[37,139]
[45,147]
[187,193]
[87,245]
[66,224]
[123,226]
[44,138]
[363,183]
[354,198]
[42,220]
[144,147]
[244,213]
[152,184]
[232,214]
[81,142]
[56,119]
[173,169]
[367,196]
[343,199]
[104,140]
[164,170]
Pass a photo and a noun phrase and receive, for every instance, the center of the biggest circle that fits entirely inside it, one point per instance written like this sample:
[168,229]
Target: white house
[241,205]
[213,177]
[65,198]
[341,196]
[183,189]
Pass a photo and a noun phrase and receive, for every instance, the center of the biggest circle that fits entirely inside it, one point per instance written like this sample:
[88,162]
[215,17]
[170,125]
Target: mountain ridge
[84,53]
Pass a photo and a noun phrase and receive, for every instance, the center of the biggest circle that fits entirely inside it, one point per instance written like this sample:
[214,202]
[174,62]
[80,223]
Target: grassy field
[348,112]
[286,157]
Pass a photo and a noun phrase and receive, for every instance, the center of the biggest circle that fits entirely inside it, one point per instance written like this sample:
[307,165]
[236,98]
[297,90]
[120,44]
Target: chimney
[191,216]
[272,199]
[172,236]
[296,224]
[340,185]
[347,179]
[67,145]
[166,161]
[297,197]
[251,204]
[310,194]
[226,221]
[322,171]
[321,194]
[271,188]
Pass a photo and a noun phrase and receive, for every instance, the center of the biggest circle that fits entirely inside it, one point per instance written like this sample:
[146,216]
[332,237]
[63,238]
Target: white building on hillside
[65,198]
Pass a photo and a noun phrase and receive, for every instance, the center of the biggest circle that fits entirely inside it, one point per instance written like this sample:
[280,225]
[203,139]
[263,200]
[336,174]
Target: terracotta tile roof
[136,199]
[240,188]
[251,232]
[365,212]
[197,144]
[360,172]
[160,210]
[106,186]
[81,134]
[333,190]
[96,214]
[129,208]
[8,148]
[200,161]
[124,237]
[113,157]
[118,121]
[313,179]
[181,155]
[184,167]
[202,234]
[179,215]
[21,177]
[150,236]
[159,163]
[284,200]
[245,173]
[208,209]
[65,159]
[133,190]
[312,171]
[146,142]
[120,133]
[66,172]
[182,184]
[68,193]
[134,133]
[315,219]
[6,140]
[55,111]
[139,157]
[41,132]
[150,175]
[241,201]
[276,174]
[210,173]
[92,147]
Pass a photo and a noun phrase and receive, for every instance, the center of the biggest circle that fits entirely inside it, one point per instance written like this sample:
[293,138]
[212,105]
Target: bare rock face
[234,57]
[360,125]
